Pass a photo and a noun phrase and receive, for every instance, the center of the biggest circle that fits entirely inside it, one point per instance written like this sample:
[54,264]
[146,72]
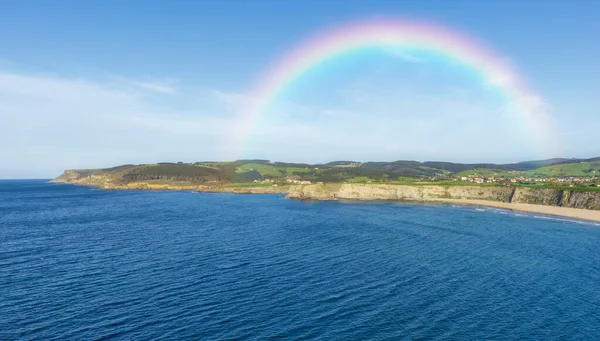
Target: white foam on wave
[531,215]
[566,220]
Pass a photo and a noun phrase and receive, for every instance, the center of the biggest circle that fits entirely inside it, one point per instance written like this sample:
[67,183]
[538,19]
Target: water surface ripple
[82,264]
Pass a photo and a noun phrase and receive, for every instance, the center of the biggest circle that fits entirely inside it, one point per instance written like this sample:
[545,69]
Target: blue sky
[87,84]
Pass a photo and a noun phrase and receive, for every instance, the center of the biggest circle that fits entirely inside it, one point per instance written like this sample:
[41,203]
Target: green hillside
[562,170]
[486,172]
[267,170]
[264,171]
[578,169]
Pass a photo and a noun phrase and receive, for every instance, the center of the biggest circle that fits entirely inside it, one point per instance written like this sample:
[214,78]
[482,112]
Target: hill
[579,169]
[267,172]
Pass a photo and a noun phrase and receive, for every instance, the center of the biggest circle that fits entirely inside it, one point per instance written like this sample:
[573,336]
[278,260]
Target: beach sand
[576,213]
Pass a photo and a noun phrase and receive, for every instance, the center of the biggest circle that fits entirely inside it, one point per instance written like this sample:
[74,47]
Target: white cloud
[237,100]
[166,86]
[50,123]
[371,120]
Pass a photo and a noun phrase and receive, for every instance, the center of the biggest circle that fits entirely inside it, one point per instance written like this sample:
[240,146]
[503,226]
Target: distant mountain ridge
[408,167]
[265,171]
[458,167]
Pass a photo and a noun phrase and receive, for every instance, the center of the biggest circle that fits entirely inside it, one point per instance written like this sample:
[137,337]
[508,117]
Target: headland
[565,187]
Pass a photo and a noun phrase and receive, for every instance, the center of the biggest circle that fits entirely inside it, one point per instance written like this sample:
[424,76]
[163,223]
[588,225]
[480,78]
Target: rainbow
[494,69]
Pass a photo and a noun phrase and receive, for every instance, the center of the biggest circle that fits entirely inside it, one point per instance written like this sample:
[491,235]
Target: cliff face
[86,178]
[398,192]
[538,196]
[557,197]
[587,200]
[525,195]
[67,176]
[113,179]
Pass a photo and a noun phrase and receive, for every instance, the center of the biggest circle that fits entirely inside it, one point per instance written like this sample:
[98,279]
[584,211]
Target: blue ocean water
[83,264]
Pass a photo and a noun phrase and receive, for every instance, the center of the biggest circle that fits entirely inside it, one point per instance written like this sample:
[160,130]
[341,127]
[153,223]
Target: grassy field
[580,169]
[566,188]
[214,164]
[435,170]
[576,169]
[269,170]
[248,184]
[464,183]
[171,182]
[485,172]
[360,179]
[242,172]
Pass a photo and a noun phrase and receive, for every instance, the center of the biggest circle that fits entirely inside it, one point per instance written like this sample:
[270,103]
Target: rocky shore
[568,203]
[575,204]
[520,195]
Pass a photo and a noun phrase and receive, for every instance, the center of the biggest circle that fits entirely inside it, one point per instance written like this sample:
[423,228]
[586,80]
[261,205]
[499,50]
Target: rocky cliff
[88,178]
[525,195]
[120,178]
[116,180]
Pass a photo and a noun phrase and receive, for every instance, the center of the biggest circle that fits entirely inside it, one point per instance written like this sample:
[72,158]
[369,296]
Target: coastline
[567,212]
[556,202]
[332,192]
[147,186]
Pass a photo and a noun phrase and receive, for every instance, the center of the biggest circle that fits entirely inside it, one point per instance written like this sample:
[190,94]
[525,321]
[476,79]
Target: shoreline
[555,211]
[559,211]
[556,202]
[567,212]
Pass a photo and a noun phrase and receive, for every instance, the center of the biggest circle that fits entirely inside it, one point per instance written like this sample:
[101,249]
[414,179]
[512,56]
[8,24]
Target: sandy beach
[576,213]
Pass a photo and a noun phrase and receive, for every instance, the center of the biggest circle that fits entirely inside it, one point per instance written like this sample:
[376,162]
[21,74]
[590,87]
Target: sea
[77,263]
